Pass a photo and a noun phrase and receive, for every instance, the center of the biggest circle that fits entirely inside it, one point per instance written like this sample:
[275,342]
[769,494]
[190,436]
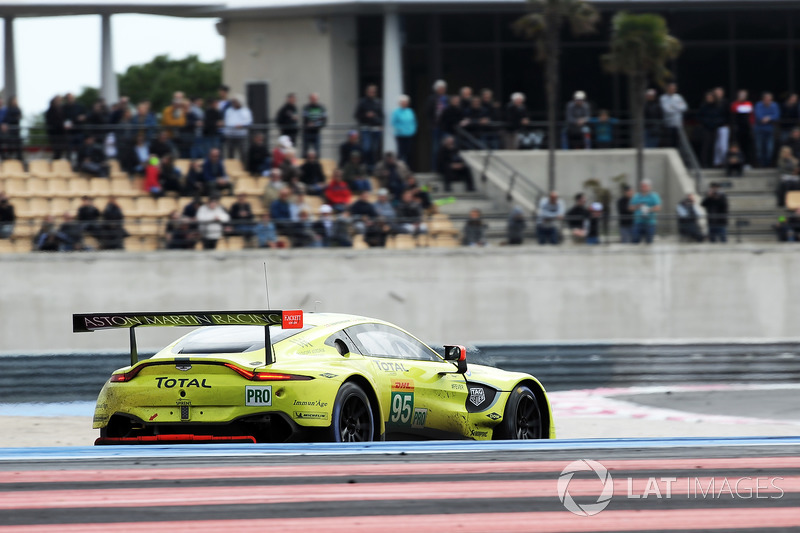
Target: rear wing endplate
[84,323]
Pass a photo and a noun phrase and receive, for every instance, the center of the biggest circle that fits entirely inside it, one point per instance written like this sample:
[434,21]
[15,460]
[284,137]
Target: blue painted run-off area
[376,448]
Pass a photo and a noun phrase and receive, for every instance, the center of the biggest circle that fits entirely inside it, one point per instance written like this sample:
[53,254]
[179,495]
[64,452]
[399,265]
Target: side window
[342,343]
[385,341]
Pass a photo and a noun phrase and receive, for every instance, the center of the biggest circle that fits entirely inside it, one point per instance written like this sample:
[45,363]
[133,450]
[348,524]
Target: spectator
[787,230]
[92,158]
[625,214]
[474,230]
[790,116]
[515,227]
[258,156]
[315,117]
[194,130]
[223,102]
[767,114]
[578,219]
[593,226]
[47,239]
[237,120]
[476,117]
[711,119]
[337,193]
[409,214]
[301,233]
[119,110]
[194,184]
[273,188]
[653,119]
[312,175]
[71,234]
[74,122]
[517,121]
[404,122]
[787,170]
[689,219]
[352,144]
[578,114]
[392,174]
[287,118]
[793,142]
[114,233]
[369,115]
[355,173]
[288,168]
[298,205]
[604,126]
[723,132]
[453,117]
[437,102]
[211,218]
[54,121]
[281,211]
[645,204]
[11,130]
[170,176]
[215,179]
[161,145]
[97,120]
[89,217]
[742,111]
[734,161]
[179,233]
[493,122]
[190,209]
[384,208]
[7,217]
[133,158]
[280,151]
[716,205]
[212,125]
[549,216]
[173,117]
[421,193]
[242,218]
[452,166]
[674,106]
[266,233]
[144,122]
[376,232]
[330,231]
[465,96]
[152,178]
[363,207]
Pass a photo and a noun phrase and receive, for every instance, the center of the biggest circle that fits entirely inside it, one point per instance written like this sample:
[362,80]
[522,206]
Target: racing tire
[522,418]
[352,419]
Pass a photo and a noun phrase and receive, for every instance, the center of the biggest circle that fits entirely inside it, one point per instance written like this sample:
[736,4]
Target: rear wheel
[352,416]
[522,418]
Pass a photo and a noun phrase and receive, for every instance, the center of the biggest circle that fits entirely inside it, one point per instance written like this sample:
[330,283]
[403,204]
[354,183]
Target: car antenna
[266,284]
[315,304]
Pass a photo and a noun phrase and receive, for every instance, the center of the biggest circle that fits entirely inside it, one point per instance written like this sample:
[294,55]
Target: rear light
[266,376]
[127,376]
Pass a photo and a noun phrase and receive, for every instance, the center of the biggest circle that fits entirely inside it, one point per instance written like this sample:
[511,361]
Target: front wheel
[522,418]
[352,416]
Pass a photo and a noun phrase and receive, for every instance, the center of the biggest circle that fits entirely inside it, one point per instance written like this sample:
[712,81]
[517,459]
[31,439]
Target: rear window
[230,339]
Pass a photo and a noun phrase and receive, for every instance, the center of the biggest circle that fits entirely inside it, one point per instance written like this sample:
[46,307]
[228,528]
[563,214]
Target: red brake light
[127,376]
[266,376]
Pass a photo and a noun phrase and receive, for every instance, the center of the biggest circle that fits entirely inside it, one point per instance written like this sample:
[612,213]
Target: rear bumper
[175,439]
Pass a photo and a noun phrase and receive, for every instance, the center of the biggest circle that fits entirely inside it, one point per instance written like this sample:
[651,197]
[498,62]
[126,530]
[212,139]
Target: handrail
[688,152]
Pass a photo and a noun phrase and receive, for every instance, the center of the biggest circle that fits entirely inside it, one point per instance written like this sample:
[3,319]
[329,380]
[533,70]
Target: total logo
[585,509]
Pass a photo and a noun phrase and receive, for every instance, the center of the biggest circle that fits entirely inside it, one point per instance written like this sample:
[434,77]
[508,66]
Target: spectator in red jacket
[152,177]
[337,192]
[743,118]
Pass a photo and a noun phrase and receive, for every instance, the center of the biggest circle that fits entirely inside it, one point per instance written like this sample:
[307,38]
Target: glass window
[699,25]
[699,69]
[762,68]
[230,339]
[416,28]
[467,28]
[385,341]
[763,24]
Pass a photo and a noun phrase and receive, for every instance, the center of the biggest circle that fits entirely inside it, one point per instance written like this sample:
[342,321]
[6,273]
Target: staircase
[751,200]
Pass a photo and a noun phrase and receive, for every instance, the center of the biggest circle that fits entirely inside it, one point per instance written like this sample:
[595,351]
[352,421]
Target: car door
[426,398]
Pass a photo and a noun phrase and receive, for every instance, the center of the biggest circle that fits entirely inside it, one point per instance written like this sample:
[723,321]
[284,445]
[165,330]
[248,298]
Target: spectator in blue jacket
[404,122]
[281,211]
[767,114]
[214,175]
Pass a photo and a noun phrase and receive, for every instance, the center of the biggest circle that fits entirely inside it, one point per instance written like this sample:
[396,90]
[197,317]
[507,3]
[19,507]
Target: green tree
[87,97]
[157,80]
[543,25]
[641,47]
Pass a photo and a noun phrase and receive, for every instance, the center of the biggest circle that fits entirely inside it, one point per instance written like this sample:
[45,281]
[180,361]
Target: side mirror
[458,355]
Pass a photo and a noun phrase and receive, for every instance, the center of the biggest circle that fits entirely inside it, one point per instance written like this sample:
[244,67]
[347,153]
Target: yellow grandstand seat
[146,205]
[38,206]
[128,205]
[358,242]
[16,187]
[183,165]
[57,187]
[123,187]
[13,168]
[247,185]
[166,205]
[37,186]
[445,241]
[62,168]
[793,199]
[403,241]
[100,186]
[78,186]
[234,167]
[40,168]
[60,204]
[23,245]
[6,246]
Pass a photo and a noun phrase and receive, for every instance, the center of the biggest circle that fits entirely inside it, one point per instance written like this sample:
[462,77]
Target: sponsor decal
[310,416]
[327,375]
[388,366]
[420,415]
[476,396]
[183,367]
[494,416]
[292,320]
[153,417]
[170,383]
[402,402]
[479,434]
[458,386]
[119,321]
[258,395]
[310,403]
[183,402]
[99,418]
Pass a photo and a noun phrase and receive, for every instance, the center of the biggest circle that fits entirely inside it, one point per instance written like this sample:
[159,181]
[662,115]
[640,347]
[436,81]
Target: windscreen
[230,339]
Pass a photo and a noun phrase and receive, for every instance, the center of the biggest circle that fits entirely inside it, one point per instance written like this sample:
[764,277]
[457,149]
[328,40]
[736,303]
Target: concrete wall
[301,55]
[463,295]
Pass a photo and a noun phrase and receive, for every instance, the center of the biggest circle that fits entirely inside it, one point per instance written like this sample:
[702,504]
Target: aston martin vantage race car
[325,377]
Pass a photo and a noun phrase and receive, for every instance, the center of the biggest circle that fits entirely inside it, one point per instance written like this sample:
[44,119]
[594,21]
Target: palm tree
[641,46]
[543,25]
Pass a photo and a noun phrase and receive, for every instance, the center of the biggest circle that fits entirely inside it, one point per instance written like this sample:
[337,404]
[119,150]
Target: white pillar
[9,58]
[392,73]
[108,78]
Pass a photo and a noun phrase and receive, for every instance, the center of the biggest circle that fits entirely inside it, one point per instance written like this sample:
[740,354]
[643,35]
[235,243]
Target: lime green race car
[326,377]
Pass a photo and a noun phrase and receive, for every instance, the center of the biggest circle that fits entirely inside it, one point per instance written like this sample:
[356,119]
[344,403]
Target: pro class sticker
[258,396]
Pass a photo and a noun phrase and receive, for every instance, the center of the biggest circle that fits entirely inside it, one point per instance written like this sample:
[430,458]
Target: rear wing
[87,323]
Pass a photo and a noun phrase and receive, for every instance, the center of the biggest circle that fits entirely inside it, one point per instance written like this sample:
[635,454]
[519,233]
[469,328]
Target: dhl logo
[402,384]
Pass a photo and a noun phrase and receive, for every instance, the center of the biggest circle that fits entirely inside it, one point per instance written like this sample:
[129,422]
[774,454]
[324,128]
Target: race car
[325,377]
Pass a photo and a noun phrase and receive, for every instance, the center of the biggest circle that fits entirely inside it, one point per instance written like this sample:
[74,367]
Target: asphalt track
[683,484]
